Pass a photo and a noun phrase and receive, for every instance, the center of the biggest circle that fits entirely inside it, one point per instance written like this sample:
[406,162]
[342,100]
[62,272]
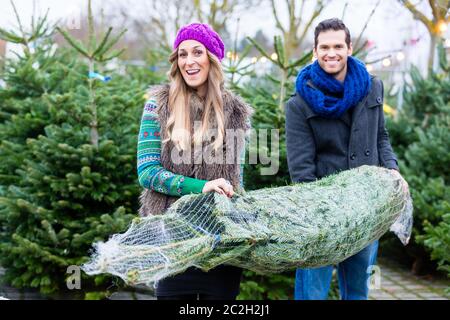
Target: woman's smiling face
[193,62]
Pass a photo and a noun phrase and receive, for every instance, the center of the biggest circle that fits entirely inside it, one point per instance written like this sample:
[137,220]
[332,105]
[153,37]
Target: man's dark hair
[331,24]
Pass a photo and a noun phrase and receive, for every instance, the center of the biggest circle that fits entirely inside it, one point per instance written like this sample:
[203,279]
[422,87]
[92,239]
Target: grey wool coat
[317,146]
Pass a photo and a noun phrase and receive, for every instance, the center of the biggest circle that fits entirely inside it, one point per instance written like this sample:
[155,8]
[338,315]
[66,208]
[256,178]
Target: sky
[388,28]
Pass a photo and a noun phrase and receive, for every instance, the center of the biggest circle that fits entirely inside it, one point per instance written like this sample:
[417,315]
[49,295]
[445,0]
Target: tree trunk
[284,76]
[433,43]
[94,130]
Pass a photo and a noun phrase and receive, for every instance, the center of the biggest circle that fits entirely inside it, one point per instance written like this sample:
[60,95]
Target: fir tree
[421,137]
[68,167]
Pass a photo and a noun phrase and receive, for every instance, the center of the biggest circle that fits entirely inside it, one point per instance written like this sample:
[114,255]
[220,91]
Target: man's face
[332,52]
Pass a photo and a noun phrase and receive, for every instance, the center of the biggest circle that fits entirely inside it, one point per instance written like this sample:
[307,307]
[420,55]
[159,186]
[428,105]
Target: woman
[187,145]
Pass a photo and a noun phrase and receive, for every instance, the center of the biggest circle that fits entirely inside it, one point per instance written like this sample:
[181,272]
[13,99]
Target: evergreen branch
[259,48]
[303,60]
[32,16]
[113,55]
[245,52]
[103,42]
[244,67]
[292,72]
[41,23]
[10,37]
[246,73]
[69,70]
[73,42]
[279,49]
[37,250]
[443,57]
[273,79]
[111,43]
[18,20]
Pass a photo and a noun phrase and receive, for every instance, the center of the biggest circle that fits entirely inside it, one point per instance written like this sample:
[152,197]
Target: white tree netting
[268,231]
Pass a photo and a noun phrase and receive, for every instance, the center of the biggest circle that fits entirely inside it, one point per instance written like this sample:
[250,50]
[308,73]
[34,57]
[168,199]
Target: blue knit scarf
[333,98]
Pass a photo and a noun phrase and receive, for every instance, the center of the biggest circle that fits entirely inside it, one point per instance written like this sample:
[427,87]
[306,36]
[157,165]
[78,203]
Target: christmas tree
[421,137]
[67,160]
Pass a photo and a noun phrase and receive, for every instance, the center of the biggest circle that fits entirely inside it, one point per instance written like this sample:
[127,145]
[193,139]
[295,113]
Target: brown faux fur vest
[200,165]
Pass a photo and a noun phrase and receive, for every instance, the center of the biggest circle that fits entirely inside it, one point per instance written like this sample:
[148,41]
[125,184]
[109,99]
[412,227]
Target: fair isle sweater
[151,174]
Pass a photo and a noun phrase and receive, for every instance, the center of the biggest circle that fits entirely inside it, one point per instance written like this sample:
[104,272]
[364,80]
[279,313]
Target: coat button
[353,156]
[379,100]
[367,153]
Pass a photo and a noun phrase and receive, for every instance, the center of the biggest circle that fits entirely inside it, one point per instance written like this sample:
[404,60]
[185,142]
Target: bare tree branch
[358,40]
[443,7]
[417,14]
[439,9]
[320,5]
[290,5]
[293,20]
[300,13]
[434,10]
[275,15]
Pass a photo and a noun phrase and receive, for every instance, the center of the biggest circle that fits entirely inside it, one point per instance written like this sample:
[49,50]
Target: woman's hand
[220,185]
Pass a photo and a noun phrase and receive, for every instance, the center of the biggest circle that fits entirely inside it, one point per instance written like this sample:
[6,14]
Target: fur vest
[201,162]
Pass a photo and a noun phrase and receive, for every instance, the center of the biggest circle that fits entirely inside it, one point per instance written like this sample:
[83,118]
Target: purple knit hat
[203,34]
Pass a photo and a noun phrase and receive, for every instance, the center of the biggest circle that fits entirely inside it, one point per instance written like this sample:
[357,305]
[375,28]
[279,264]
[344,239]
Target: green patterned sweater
[152,175]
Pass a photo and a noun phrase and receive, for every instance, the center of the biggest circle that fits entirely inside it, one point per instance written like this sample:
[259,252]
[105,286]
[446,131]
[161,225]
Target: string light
[386,62]
[274,56]
[232,55]
[400,56]
[442,27]
[254,60]
[369,67]
[263,59]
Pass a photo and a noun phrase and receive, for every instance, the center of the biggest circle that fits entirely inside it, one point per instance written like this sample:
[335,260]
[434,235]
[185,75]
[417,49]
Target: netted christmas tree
[268,231]
[67,160]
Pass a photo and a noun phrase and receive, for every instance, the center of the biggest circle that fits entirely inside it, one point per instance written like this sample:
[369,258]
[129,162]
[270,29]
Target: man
[335,122]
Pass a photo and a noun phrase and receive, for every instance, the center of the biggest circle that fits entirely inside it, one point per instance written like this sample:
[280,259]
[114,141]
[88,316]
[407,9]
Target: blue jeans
[353,276]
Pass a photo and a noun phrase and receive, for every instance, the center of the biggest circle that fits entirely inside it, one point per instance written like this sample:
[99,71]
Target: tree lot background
[68,142]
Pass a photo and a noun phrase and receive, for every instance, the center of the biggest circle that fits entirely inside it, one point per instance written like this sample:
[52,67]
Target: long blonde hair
[178,128]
